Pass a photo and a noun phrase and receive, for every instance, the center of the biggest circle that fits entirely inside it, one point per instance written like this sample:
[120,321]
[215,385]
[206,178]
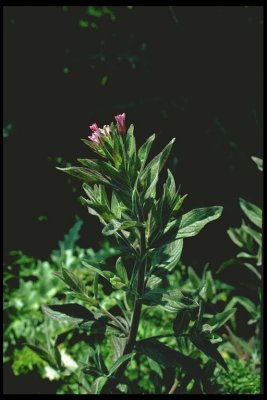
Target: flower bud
[120,119]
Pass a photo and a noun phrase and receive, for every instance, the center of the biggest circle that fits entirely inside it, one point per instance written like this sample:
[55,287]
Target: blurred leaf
[7,130]
[258,162]
[104,80]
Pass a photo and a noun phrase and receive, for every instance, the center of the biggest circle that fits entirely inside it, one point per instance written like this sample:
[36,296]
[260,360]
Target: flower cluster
[97,132]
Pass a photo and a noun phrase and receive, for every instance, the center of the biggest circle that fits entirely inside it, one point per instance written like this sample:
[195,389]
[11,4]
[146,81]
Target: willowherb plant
[149,228]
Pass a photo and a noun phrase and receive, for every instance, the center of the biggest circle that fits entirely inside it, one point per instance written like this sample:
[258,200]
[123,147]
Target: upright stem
[135,317]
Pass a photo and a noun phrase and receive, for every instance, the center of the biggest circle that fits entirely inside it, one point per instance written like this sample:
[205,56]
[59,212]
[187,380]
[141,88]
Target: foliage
[149,231]
[242,378]
[131,318]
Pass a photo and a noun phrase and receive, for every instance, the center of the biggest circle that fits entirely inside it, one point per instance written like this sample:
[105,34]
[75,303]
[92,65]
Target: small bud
[106,130]
[94,127]
[120,119]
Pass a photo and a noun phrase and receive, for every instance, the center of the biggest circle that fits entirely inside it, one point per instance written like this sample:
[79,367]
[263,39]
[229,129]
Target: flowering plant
[149,228]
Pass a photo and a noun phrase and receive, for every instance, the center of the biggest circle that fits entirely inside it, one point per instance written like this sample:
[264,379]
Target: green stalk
[110,385]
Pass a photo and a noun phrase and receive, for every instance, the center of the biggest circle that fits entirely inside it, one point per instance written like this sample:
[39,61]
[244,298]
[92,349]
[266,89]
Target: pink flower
[93,127]
[120,119]
[94,138]
[96,132]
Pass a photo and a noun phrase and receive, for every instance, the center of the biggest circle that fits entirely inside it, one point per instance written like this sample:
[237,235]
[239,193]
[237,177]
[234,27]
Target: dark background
[194,73]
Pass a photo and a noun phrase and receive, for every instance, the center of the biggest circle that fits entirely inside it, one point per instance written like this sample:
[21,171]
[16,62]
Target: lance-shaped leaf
[131,154]
[101,326]
[113,279]
[190,224]
[253,212]
[98,384]
[164,259]
[43,354]
[167,356]
[257,236]
[71,313]
[219,319]
[201,342]
[258,161]
[121,360]
[110,173]
[101,211]
[144,152]
[194,279]
[150,174]
[121,271]
[181,322]
[172,300]
[85,174]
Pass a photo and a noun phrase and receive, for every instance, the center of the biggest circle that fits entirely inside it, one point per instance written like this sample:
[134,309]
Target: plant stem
[135,317]
[174,386]
[114,319]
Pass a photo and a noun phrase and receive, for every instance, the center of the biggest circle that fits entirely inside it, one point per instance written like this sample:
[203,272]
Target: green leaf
[220,319]
[235,235]
[119,362]
[118,346]
[106,274]
[73,282]
[258,162]
[121,271]
[170,183]
[257,236]
[149,176]
[72,236]
[43,354]
[144,152]
[109,173]
[194,279]
[181,322]
[71,313]
[85,174]
[81,296]
[191,223]
[98,384]
[244,301]
[172,301]
[115,206]
[131,153]
[101,326]
[164,259]
[178,202]
[167,356]
[253,269]
[253,212]
[118,225]
[202,343]
[115,281]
